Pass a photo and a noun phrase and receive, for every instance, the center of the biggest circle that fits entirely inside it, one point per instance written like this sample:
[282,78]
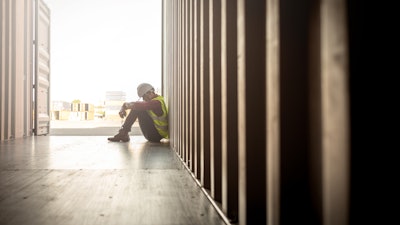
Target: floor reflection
[81,152]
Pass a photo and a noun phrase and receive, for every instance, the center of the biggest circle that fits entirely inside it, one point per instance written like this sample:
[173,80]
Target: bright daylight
[100,51]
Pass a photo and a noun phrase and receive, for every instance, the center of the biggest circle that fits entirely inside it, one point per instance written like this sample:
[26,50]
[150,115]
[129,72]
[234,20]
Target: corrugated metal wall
[42,69]
[258,96]
[16,33]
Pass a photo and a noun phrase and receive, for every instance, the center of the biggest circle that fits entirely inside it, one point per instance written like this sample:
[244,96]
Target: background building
[112,104]
[82,111]
[60,110]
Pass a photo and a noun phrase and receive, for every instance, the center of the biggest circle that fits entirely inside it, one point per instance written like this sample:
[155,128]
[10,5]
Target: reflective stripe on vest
[160,122]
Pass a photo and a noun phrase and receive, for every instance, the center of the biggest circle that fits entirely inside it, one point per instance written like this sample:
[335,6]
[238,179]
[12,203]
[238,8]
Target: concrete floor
[88,180]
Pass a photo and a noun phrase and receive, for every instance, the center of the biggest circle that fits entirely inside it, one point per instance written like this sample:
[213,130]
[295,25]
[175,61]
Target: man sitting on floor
[152,114]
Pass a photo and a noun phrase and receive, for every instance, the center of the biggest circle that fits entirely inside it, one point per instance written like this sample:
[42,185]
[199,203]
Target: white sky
[103,45]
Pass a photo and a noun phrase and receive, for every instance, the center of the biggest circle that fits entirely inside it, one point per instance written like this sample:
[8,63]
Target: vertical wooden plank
[252,111]
[12,74]
[315,156]
[229,109]
[186,84]
[241,49]
[273,120]
[2,67]
[295,191]
[215,98]
[201,83]
[335,112]
[183,84]
[191,89]
[175,74]
[172,111]
[205,95]
[194,90]
[211,93]
[182,81]
[197,91]
[182,78]
[170,65]
[164,31]
[6,74]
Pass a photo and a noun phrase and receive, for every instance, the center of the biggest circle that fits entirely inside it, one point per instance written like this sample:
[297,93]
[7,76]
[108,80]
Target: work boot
[121,136]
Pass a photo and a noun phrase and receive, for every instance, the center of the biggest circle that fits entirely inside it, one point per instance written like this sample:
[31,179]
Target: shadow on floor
[88,180]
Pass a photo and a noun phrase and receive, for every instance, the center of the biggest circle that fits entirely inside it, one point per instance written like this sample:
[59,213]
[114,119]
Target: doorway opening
[100,51]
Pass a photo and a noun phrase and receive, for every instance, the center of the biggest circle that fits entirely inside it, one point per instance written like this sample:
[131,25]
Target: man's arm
[128,105]
[153,105]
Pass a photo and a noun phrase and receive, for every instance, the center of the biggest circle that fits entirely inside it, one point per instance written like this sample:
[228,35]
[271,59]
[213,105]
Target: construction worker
[152,114]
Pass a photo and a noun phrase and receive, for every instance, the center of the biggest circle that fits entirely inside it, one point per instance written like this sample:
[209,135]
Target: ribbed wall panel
[16,68]
[259,106]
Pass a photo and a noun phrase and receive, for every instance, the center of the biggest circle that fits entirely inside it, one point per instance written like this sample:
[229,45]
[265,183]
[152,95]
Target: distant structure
[82,111]
[112,104]
[62,110]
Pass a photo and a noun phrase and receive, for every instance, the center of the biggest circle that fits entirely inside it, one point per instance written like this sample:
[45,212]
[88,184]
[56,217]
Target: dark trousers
[146,125]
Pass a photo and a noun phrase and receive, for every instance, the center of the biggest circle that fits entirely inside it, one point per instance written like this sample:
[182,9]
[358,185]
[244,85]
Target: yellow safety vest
[160,122]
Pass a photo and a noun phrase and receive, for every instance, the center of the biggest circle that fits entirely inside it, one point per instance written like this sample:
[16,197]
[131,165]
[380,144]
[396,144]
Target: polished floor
[76,180]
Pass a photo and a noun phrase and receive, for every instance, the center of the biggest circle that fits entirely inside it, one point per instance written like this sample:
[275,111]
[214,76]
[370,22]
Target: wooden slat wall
[259,102]
[273,121]
[252,111]
[16,69]
[294,105]
[229,112]
[205,94]
[215,100]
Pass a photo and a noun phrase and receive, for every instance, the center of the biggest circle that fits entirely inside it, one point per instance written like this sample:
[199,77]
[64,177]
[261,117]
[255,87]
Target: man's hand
[122,113]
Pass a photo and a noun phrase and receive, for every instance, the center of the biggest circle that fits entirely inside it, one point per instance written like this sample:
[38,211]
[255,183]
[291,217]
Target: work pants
[146,124]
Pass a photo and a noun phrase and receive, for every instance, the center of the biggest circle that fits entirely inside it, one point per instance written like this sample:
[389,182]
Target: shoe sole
[118,140]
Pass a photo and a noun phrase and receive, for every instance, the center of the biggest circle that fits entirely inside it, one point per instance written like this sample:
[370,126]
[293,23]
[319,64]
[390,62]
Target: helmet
[143,88]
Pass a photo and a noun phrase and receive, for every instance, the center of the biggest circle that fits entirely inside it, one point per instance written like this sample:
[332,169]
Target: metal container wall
[259,107]
[42,69]
[16,68]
